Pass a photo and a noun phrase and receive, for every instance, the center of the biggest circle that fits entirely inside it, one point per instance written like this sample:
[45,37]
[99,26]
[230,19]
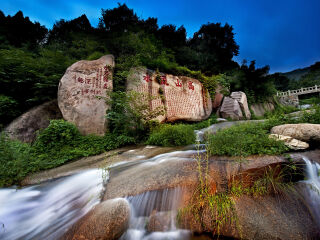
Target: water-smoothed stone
[290,142]
[303,131]
[106,221]
[182,98]
[230,108]
[25,127]
[241,97]
[79,94]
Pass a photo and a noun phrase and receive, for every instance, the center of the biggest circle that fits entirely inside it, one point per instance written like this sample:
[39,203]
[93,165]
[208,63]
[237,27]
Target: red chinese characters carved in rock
[147,78]
[178,83]
[106,74]
[190,85]
[164,80]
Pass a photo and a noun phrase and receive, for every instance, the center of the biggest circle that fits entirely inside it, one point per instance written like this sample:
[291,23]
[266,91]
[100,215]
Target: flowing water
[47,210]
[312,192]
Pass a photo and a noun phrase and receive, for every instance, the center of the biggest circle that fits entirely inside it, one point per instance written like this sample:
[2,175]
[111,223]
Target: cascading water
[46,211]
[312,193]
[162,205]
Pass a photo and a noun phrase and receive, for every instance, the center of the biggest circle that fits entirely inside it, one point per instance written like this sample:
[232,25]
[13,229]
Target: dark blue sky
[282,33]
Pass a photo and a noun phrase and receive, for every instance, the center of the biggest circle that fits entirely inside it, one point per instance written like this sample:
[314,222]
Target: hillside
[296,74]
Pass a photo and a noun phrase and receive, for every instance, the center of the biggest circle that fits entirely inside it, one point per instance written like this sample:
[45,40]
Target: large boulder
[290,142]
[241,97]
[79,94]
[183,98]
[24,128]
[264,217]
[230,108]
[303,131]
[259,109]
[107,221]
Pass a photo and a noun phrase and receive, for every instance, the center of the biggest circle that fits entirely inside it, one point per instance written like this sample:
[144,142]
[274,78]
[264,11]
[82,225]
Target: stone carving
[79,91]
[24,128]
[230,108]
[182,97]
[242,99]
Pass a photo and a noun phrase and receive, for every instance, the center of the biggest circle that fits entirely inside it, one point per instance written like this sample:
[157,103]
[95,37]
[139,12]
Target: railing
[300,91]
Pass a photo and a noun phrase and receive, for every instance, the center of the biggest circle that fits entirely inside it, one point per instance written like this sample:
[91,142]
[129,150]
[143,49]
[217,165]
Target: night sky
[284,34]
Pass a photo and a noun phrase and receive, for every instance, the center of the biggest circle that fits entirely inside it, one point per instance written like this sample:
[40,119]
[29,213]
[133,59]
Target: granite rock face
[259,109]
[78,93]
[24,128]
[242,100]
[182,97]
[230,108]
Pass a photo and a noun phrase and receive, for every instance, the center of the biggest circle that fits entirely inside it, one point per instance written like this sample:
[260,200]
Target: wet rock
[303,131]
[290,142]
[241,97]
[79,91]
[24,128]
[230,108]
[106,221]
[160,222]
[181,97]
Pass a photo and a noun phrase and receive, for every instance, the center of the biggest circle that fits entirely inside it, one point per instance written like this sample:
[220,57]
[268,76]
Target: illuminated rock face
[230,108]
[79,91]
[242,100]
[181,97]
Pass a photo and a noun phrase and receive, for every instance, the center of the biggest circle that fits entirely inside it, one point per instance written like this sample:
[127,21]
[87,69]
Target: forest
[33,58]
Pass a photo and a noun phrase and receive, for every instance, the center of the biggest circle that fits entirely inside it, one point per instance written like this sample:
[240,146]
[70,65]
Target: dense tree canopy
[33,58]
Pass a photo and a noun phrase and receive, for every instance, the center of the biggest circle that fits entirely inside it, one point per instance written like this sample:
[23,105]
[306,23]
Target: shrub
[172,135]
[14,161]
[244,140]
[59,132]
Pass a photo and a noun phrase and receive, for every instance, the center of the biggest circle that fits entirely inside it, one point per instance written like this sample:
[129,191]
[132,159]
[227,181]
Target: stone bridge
[291,97]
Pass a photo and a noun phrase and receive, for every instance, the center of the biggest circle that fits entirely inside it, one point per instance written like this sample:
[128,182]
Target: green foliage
[172,135]
[130,113]
[244,140]
[206,123]
[61,142]
[14,161]
[8,109]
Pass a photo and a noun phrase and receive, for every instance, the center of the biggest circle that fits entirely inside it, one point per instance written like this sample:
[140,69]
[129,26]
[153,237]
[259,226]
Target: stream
[47,210]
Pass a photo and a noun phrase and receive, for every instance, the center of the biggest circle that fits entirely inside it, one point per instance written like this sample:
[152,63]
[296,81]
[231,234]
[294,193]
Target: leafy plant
[172,135]
[244,140]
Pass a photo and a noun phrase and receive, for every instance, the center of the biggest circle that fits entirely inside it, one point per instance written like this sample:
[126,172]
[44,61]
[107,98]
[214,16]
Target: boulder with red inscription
[79,94]
[182,98]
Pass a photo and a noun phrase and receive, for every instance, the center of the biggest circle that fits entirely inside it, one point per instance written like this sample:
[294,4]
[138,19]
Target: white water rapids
[45,211]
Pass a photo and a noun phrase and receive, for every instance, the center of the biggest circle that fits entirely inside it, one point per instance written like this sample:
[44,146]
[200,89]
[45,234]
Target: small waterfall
[46,211]
[153,216]
[312,193]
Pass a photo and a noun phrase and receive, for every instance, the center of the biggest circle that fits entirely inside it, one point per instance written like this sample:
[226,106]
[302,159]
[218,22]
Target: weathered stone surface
[241,97]
[218,97]
[290,142]
[230,108]
[259,109]
[303,131]
[106,221]
[24,128]
[183,98]
[78,91]
[292,100]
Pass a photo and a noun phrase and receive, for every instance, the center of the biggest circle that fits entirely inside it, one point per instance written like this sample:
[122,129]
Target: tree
[215,47]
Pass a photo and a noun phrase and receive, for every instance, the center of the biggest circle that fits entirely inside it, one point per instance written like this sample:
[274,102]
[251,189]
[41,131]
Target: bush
[59,132]
[14,161]
[172,135]
[244,140]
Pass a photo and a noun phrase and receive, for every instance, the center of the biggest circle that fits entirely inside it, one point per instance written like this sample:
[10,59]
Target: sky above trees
[282,33]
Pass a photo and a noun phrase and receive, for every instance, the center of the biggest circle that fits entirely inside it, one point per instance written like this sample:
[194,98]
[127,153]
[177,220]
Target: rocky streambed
[137,193]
